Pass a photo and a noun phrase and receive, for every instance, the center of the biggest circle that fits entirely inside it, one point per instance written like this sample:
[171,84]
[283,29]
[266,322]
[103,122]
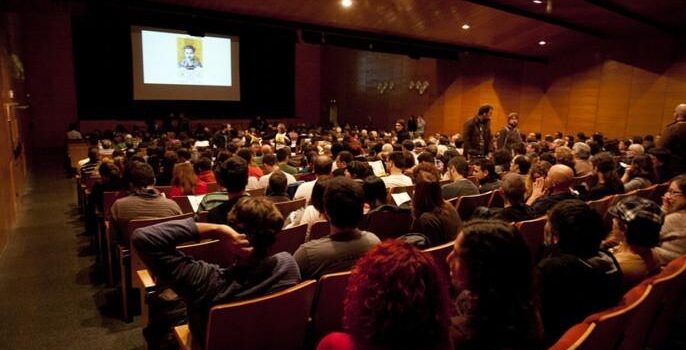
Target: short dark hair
[345,156]
[322,165]
[260,220]
[426,157]
[317,197]
[484,109]
[460,165]
[184,153]
[269,159]
[202,164]
[397,158]
[514,188]
[359,169]
[579,228]
[643,232]
[245,153]
[343,202]
[278,183]
[282,154]
[233,174]
[408,145]
[486,164]
[140,174]
[375,193]
[523,163]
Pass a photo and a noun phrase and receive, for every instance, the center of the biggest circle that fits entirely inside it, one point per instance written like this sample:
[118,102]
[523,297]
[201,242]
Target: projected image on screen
[179,59]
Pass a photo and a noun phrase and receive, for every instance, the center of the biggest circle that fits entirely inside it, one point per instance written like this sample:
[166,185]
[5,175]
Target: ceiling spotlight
[466,26]
[346,3]
[538,2]
[542,42]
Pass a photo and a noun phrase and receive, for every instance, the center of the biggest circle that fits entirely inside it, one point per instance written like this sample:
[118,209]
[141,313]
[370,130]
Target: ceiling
[497,26]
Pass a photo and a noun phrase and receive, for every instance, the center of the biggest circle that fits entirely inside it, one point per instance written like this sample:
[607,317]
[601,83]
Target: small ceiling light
[538,2]
[466,26]
[346,3]
[542,42]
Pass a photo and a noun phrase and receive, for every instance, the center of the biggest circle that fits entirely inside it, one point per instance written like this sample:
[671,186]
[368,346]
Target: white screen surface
[171,65]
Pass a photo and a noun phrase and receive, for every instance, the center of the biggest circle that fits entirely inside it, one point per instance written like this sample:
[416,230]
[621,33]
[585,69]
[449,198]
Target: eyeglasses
[673,193]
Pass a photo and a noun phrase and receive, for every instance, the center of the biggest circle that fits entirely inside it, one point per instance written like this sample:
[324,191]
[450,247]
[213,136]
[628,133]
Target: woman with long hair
[433,217]
[640,174]
[491,268]
[375,193]
[397,298]
[185,182]
[673,235]
[609,183]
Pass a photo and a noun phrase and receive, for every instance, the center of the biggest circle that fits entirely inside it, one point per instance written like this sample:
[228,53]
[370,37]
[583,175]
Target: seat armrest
[183,337]
[145,279]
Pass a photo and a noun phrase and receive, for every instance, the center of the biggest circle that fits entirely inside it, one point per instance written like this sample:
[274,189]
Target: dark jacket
[508,138]
[674,139]
[477,137]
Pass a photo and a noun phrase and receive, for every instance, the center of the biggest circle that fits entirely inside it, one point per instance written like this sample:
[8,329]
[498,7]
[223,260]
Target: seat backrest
[288,240]
[292,187]
[586,180]
[136,263]
[647,192]
[212,187]
[319,229]
[108,199]
[440,254]
[474,180]
[390,223]
[640,323]
[165,189]
[497,200]
[184,203]
[618,197]
[453,201]
[211,251]
[288,207]
[611,324]
[466,204]
[673,280]
[574,337]
[275,321]
[258,192]
[659,191]
[327,313]
[601,205]
[533,233]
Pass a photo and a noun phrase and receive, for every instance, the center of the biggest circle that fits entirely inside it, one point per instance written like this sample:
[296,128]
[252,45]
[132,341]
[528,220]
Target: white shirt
[305,191]
[253,184]
[264,180]
[399,180]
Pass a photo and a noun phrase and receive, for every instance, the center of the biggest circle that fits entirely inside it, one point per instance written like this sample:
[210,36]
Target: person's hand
[538,189]
[238,242]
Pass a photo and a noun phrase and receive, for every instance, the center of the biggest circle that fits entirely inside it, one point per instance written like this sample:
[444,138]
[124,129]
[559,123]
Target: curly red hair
[397,298]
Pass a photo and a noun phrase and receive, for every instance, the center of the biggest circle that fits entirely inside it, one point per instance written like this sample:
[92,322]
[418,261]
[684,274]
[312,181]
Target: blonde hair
[185,177]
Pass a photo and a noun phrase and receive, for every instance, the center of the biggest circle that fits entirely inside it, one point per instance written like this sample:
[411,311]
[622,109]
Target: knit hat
[634,207]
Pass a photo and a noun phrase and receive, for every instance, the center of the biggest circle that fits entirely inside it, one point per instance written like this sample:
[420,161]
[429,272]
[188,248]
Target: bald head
[560,177]
[680,112]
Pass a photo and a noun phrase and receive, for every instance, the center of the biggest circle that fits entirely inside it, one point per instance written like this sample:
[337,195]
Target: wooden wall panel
[613,98]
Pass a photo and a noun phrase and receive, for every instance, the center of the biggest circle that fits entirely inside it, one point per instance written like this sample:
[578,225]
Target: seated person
[458,170]
[521,165]
[490,266]
[232,175]
[270,166]
[433,217]
[254,225]
[673,232]
[609,183]
[90,166]
[375,193]
[640,174]
[278,186]
[343,206]
[185,182]
[636,222]
[282,156]
[144,202]
[203,167]
[578,279]
[484,170]
[513,189]
[551,189]
[374,316]
[322,169]
[253,169]
[396,165]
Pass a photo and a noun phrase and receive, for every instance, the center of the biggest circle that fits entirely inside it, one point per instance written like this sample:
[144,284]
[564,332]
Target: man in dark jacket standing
[477,133]
[674,139]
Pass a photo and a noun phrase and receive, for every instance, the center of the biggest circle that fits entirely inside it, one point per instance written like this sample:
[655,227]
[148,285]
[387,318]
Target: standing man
[509,136]
[477,133]
[674,139]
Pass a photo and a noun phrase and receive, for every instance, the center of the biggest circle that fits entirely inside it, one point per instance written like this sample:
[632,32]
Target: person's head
[560,178]
[189,52]
[513,188]
[521,165]
[577,228]
[343,159]
[660,156]
[513,120]
[642,166]
[358,170]
[109,171]
[140,175]
[397,299]
[317,197]
[484,170]
[260,220]
[491,260]
[202,165]
[184,154]
[502,158]
[458,168]
[638,220]
[426,157]
[563,155]
[269,162]
[233,174]
[343,202]
[604,163]
[674,199]
[408,145]
[322,165]
[278,183]
[266,149]
[396,161]
[283,154]
[399,125]
[375,193]
[635,149]
[427,196]
[581,150]
[485,112]
[185,178]
[680,112]
[246,154]
[93,154]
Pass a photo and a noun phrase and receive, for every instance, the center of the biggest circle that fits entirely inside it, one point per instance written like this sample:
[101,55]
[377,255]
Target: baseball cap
[634,207]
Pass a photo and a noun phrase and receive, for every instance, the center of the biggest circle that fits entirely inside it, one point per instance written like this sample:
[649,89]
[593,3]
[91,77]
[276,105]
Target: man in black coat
[477,133]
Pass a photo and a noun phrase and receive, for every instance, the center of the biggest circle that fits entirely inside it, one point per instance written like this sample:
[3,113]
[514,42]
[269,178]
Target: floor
[50,295]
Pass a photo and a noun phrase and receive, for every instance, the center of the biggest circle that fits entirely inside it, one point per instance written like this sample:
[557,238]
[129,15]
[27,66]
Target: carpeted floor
[50,298]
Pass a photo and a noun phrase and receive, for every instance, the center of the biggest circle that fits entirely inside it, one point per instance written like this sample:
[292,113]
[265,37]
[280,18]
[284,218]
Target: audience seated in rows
[343,206]
[515,209]
[458,170]
[551,189]
[433,216]
[278,186]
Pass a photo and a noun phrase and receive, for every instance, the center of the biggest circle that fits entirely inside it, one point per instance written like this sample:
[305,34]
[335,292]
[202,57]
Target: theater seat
[533,233]
[288,240]
[288,207]
[327,314]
